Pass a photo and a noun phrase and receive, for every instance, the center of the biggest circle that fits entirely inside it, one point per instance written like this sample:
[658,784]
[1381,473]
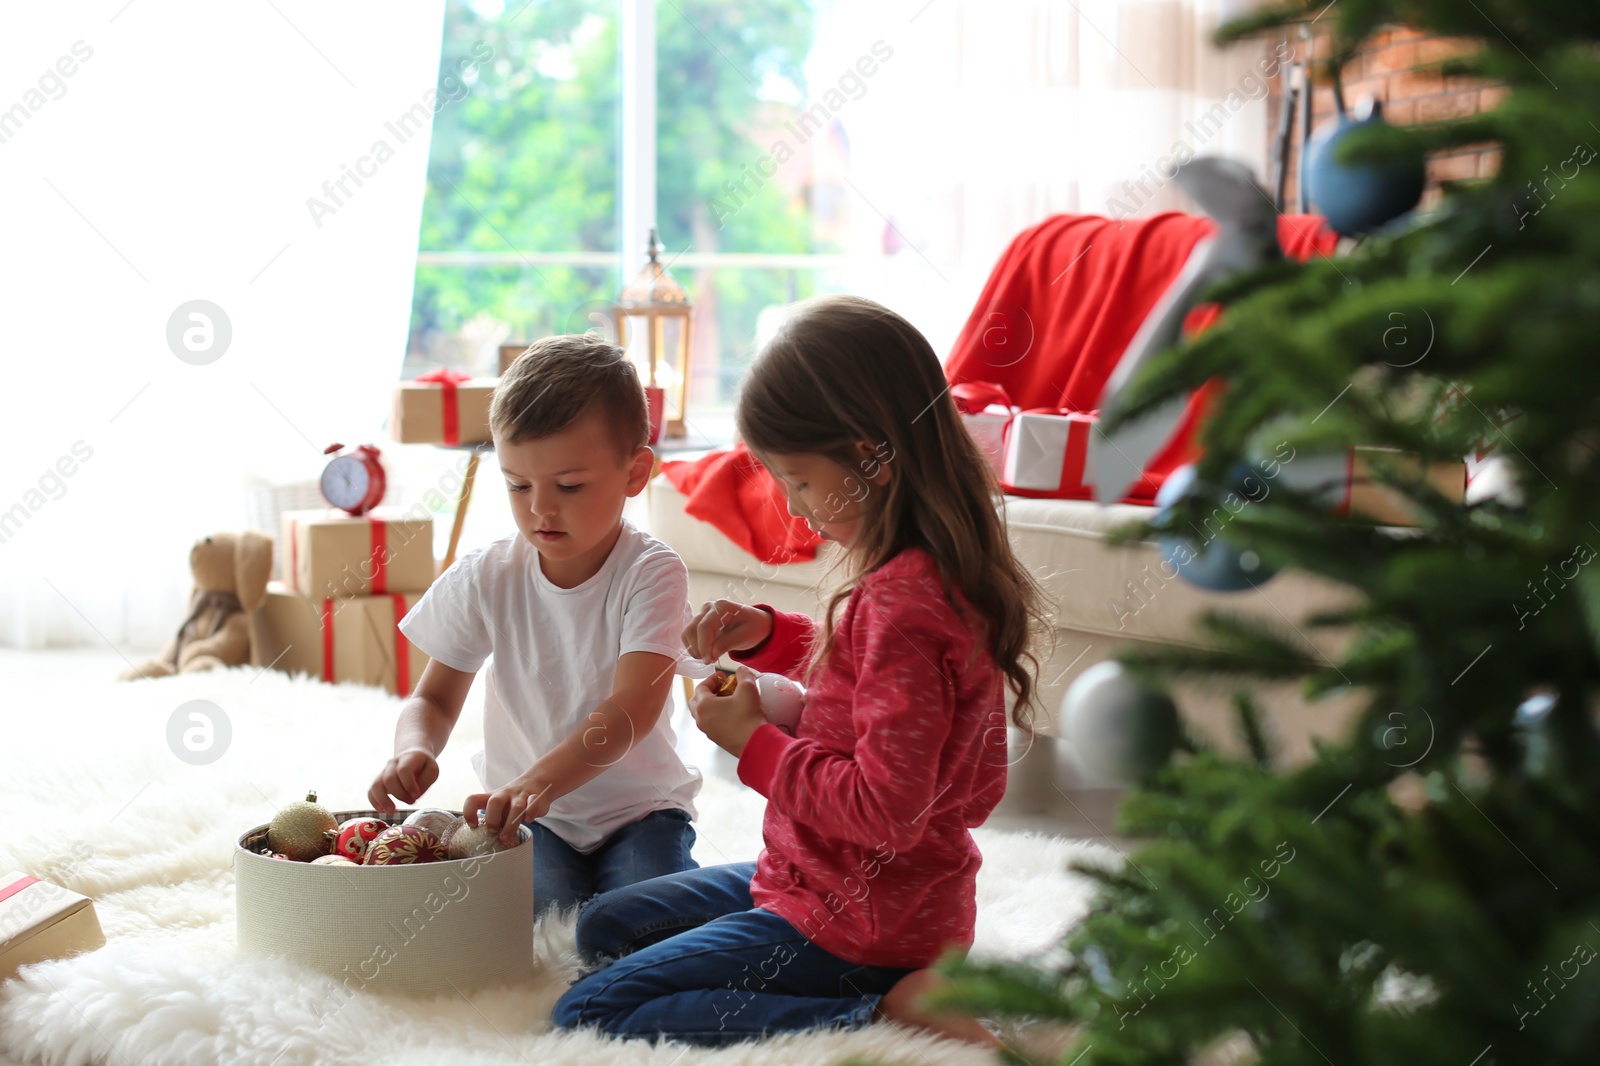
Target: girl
[868,871]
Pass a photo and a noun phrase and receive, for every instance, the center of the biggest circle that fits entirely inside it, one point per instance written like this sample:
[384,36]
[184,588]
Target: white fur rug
[95,799]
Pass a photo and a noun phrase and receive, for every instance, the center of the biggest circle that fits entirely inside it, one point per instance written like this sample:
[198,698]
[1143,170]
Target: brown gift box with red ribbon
[1347,481]
[442,407]
[356,639]
[39,921]
[331,553]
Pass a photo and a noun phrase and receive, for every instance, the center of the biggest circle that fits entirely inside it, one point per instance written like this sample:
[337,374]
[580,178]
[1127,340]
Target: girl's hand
[728,720]
[509,806]
[405,777]
[723,626]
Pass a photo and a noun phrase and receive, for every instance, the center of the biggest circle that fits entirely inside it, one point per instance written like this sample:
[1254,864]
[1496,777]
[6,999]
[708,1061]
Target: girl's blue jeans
[659,843]
[696,961]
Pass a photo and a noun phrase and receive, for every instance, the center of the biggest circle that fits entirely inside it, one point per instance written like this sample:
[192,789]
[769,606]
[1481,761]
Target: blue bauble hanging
[1358,198]
[1203,554]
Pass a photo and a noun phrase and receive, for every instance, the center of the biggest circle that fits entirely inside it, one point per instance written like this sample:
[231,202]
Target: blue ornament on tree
[1203,555]
[1358,198]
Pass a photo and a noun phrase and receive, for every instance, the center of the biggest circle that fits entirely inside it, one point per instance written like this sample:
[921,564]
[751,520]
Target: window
[521,223]
[889,148]
[519,231]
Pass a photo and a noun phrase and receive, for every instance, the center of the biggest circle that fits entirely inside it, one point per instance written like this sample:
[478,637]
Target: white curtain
[993,114]
[159,152]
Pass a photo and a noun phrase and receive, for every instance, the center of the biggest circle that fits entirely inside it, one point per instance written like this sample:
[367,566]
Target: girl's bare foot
[902,1005]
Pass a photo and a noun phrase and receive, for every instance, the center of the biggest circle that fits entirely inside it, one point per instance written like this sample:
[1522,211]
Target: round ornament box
[422,929]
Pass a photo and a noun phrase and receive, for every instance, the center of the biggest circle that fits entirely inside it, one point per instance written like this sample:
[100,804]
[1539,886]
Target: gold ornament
[298,830]
[332,860]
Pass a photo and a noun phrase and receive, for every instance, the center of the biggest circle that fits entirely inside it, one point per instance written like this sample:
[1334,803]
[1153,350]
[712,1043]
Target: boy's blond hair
[558,379]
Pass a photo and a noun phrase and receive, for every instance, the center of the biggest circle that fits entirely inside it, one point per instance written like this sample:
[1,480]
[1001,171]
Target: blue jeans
[657,844]
[696,961]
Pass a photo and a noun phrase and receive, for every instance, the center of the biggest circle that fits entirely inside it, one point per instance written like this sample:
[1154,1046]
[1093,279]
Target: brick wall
[1383,69]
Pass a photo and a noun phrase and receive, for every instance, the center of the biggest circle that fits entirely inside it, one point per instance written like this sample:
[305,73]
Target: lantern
[652,317]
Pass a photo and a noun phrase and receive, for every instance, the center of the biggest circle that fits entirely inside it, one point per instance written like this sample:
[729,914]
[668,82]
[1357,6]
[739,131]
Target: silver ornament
[1119,728]
[462,841]
[434,819]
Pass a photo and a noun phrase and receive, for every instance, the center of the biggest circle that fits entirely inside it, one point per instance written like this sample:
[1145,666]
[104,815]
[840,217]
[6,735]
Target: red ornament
[354,836]
[404,844]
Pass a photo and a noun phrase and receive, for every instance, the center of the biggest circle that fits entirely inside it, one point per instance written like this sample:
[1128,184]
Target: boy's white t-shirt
[552,656]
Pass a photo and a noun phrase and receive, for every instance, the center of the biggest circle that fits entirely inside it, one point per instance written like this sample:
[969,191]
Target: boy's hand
[728,720]
[405,777]
[507,807]
[722,626]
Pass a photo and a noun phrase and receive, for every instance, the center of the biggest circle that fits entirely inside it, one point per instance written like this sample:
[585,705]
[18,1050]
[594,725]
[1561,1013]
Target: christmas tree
[1427,888]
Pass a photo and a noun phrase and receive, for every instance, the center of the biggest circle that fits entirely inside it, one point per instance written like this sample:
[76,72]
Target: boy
[581,613]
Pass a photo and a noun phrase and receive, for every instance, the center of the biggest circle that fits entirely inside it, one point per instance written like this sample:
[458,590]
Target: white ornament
[782,700]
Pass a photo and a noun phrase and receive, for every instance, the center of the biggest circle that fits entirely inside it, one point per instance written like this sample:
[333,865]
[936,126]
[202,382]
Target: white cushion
[1129,590]
[1115,590]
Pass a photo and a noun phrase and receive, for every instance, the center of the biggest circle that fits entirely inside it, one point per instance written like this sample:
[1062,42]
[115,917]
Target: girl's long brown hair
[843,370]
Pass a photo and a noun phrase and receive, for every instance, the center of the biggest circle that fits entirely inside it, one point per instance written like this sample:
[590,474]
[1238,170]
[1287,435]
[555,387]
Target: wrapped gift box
[1488,449]
[1346,482]
[988,429]
[1457,403]
[986,411]
[352,639]
[330,553]
[1490,474]
[40,921]
[508,355]
[442,408]
[1045,452]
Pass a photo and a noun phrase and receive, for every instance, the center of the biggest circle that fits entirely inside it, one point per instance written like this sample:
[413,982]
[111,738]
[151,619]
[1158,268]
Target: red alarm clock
[353,482]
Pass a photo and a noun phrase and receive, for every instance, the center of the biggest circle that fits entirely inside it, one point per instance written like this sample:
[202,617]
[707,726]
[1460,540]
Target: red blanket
[745,502]
[1060,308]
[1066,298]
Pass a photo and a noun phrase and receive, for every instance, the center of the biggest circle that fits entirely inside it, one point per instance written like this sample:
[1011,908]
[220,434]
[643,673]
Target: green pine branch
[1445,870]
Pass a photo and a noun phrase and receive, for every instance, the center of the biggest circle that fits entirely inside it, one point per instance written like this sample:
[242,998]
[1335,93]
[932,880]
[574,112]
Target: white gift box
[1045,453]
[988,429]
[1485,459]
